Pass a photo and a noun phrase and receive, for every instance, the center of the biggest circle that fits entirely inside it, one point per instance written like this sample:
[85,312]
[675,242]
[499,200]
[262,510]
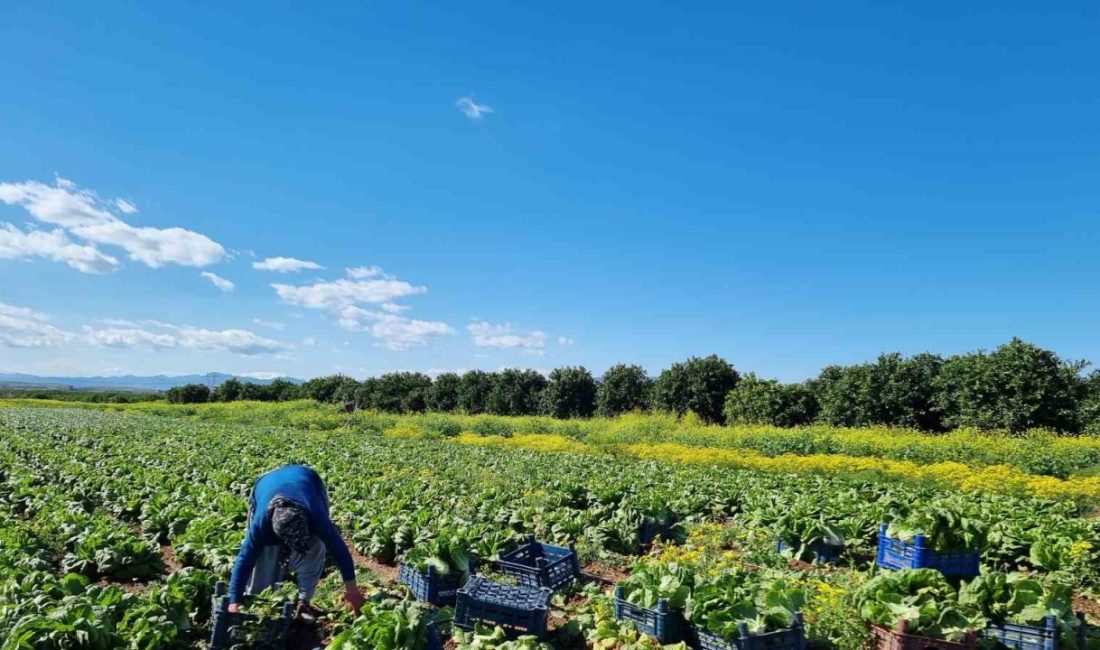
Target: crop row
[185,483]
[1040,453]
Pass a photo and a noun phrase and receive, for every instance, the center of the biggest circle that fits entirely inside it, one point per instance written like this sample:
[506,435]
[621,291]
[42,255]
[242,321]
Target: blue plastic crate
[430,586]
[896,554]
[820,551]
[1032,637]
[225,625]
[793,638]
[518,610]
[536,564]
[660,623]
[437,630]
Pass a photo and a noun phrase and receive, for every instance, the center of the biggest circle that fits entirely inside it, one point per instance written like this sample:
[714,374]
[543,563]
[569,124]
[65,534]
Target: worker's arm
[330,535]
[242,569]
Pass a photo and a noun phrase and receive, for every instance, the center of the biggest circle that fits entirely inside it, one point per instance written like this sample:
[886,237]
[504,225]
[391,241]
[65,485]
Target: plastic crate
[896,554]
[820,551]
[436,632]
[518,610]
[430,586]
[660,623]
[1032,637]
[793,638]
[536,564]
[225,625]
[898,639]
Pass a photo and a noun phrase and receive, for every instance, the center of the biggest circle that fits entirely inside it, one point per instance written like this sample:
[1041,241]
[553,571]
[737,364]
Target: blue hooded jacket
[304,487]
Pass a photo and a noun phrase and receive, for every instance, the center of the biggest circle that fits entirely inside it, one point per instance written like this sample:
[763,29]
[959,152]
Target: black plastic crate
[1032,637]
[819,551]
[536,564]
[660,623]
[896,554]
[430,586]
[518,610]
[225,626]
[793,638]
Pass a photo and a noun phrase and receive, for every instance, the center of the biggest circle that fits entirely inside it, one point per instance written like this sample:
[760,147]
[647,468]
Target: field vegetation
[121,517]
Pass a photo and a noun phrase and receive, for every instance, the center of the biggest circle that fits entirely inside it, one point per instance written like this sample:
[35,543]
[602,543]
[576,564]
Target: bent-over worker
[289,526]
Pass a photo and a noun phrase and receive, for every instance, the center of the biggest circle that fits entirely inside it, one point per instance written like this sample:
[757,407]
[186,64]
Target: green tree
[516,392]
[570,393]
[256,392]
[473,394]
[1090,403]
[623,389]
[188,394]
[283,390]
[893,390]
[766,401]
[444,396]
[396,392]
[699,385]
[230,390]
[1018,386]
[333,388]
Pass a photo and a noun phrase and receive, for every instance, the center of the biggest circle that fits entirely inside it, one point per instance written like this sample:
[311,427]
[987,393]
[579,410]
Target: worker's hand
[234,608]
[354,596]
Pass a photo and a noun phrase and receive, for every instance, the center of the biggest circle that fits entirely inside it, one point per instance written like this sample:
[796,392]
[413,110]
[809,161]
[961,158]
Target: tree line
[1016,387]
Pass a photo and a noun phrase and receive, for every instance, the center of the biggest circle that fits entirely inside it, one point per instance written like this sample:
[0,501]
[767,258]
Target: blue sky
[785,184]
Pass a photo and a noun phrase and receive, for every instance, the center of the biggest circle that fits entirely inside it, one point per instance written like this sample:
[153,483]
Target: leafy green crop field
[117,524]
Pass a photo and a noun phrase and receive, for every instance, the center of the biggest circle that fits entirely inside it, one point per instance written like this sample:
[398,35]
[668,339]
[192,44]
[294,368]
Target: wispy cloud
[128,338]
[392,331]
[54,245]
[472,109]
[270,324]
[372,287]
[487,335]
[218,281]
[21,327]
[338,294]
[83,215]
[236,341]
[286,265]
[565,341]
[367,272]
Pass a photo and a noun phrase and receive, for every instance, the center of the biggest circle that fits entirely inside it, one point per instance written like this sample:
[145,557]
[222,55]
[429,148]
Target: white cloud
[365,272]
[231,340]
[125,207]
[218,281]
[236,341]
[487,335]
[370,286]
[270,324]
[85,216]
[311,341]
[342,293]
[25,328]
[262,374]
[565,341]
[128,338]
[393,332]
[53,245]
[472,109]
[286,265]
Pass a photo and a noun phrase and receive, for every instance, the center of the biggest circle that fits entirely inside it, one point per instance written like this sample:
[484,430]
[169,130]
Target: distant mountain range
[121,382]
